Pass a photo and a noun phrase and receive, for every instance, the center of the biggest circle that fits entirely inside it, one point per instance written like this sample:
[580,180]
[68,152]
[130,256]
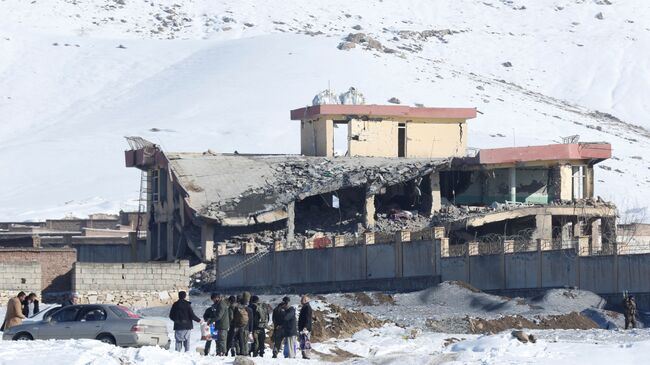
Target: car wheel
[108,339]
[23,336]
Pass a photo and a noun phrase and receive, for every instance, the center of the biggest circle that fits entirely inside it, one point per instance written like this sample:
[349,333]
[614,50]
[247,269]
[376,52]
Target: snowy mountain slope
[223,75]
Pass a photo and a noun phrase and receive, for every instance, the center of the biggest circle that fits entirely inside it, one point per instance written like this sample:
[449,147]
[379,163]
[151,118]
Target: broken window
[401,140]
[154,185]
[457,187]
[162,177]
[413,196]
[578,182]
[334,213]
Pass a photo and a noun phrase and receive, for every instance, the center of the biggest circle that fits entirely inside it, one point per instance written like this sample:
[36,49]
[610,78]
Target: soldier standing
[629,305]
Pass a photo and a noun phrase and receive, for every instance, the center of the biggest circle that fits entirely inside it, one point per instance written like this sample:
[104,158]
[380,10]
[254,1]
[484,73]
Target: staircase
[249,261]
[142,202]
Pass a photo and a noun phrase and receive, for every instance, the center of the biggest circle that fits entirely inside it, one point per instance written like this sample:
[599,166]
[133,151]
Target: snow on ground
[386,345]
[390,344]
[77,76]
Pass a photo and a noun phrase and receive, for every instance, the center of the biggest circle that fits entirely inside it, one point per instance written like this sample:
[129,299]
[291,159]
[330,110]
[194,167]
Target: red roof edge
[573,151]
[402,111]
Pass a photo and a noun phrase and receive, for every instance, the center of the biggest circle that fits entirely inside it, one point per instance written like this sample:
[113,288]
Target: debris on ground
[572,320]
[333,321]
[524,337]
[364,299]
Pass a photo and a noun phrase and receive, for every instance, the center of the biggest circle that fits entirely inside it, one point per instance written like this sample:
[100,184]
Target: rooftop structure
[383,131]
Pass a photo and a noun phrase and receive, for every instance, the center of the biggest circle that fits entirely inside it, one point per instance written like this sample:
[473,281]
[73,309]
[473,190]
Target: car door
[90,324]
[59,326]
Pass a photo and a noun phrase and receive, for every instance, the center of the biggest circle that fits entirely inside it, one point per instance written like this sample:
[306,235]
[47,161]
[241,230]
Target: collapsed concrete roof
[236,189]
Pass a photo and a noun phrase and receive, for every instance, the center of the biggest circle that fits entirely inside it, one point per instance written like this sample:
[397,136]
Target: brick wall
[19,276]
[55,264]
[135,284]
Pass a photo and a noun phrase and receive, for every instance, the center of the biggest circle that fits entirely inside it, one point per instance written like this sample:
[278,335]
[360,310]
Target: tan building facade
[383,131]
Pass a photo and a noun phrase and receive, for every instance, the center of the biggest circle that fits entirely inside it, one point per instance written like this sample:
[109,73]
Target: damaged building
[365,174]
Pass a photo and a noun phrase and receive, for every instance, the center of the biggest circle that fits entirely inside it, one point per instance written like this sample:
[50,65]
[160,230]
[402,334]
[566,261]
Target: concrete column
[36,240]
[566,182]
[444,247]
[544,245]
[508,246]
[567,234]
[596,236]
[436,199]
[577,229]
[369,211]
[543,227]
[588,184]
[472,248]
[583,246]
[608,231]
[207,241]
[291,222]
[512,172]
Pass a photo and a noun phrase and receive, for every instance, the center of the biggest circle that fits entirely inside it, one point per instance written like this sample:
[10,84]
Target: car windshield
[46,313]
[124,312]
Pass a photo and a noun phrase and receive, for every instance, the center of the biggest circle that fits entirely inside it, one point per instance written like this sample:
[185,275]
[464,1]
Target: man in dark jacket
[304,326]
[210,317]
[30,305]
[72,300]
[223,325]
[182,315]
[260,319]
[278,318]
[242,320]
[231,344]
[290,332]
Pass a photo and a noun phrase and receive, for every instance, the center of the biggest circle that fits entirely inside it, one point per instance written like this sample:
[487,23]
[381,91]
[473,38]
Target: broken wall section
[485,187]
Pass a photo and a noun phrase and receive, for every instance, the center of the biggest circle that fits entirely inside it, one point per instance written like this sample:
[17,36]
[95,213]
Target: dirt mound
[364,299]
[337,322]
[572,320]
[465,285]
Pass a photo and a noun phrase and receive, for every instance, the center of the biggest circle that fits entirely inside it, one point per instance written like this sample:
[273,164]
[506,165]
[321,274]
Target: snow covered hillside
[78,75]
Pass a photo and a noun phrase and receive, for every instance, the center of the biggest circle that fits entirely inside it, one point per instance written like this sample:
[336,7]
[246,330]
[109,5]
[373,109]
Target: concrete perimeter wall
[360,266]
[404,266]
[17,277]
[606,275]
[134,284]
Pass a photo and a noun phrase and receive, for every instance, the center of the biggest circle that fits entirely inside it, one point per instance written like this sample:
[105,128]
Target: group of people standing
[18,308]
[239,324]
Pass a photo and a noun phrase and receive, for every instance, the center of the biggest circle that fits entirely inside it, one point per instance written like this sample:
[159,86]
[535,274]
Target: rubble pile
[401,222]
[263,238]
[296,178]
